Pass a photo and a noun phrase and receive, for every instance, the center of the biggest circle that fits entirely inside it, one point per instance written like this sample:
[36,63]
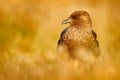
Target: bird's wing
[95,46]
[63,32]
[62,35]
[95,36]
[60,47]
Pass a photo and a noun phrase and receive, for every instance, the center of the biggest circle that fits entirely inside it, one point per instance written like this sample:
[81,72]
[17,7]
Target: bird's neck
[82,26]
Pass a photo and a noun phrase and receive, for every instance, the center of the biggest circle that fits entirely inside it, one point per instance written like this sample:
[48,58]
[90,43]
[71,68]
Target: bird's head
[78,18]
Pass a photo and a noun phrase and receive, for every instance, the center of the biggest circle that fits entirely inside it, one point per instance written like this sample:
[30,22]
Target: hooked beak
[66,21]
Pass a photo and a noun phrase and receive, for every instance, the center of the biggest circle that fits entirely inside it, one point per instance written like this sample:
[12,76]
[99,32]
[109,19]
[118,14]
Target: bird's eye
[74,17]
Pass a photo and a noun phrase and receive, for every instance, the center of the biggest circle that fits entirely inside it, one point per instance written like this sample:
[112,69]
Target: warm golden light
[30,29]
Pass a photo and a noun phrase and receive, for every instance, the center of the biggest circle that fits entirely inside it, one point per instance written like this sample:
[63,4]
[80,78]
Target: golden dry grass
[29,31]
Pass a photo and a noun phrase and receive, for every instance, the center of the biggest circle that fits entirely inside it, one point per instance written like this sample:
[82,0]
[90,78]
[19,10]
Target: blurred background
[30,29]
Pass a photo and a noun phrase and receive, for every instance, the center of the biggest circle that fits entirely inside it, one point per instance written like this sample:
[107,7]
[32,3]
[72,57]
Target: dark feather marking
[63,32]
[95,36]
[62,35]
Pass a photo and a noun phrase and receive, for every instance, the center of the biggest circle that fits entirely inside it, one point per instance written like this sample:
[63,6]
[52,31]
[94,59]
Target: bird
[78,41]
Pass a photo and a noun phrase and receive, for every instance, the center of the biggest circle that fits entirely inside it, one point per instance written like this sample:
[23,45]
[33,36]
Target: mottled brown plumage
[78,40]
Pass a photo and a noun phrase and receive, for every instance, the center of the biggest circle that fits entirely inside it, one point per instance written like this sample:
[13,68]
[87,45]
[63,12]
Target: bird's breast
[77,38]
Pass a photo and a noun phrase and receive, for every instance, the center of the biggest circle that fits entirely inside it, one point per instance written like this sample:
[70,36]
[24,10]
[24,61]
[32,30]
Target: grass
[29,31]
